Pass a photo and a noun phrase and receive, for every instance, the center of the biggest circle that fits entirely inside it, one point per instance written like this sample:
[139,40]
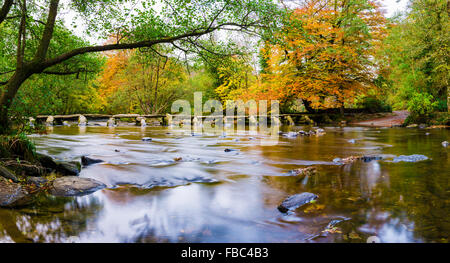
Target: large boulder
[24,168]
[75,186]
[295,201]
[46,161]
[12,194]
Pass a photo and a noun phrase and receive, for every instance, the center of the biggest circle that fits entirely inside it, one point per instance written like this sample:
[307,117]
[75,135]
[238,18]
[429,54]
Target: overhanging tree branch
[63,73]
[140,44]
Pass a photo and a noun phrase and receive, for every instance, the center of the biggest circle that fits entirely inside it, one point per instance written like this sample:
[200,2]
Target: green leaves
[419,55]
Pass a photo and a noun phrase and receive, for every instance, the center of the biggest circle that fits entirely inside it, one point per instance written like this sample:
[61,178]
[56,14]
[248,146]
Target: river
[183,187]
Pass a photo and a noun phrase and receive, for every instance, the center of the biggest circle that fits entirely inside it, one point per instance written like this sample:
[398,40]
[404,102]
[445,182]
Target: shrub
[421,104]
[17,146]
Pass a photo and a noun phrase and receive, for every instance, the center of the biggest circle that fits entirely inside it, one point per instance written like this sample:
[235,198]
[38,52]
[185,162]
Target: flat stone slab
[295,201]
[75,186]
[11,194]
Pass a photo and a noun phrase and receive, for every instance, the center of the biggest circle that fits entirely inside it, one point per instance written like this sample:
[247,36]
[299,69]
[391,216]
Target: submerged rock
[68,168]
[367,159]
[75,186]
[410,158]
[12,194]
[88,161]
[304,171]
[290,134]
[320,131]
[5,173]
[352,159]
[295,201]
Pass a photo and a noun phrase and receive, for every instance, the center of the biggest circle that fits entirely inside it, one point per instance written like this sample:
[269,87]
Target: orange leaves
[325,55]
[109,82]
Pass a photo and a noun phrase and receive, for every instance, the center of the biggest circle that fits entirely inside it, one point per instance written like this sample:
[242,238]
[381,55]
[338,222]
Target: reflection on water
[184,188]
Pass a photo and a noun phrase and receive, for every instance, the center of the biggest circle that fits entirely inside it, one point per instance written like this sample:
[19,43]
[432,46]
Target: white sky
[393,6]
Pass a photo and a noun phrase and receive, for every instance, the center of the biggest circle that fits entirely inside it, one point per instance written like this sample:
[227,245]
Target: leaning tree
[32,31]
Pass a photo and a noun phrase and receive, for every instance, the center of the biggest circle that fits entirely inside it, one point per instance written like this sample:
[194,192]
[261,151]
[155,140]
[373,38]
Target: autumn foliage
[324,54]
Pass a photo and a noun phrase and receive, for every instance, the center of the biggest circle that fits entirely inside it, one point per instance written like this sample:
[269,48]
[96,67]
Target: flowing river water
[183,187]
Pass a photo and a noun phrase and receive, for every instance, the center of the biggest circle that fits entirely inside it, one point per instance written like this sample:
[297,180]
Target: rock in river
[88,161]
[410,158]
[311,170]
[68,168]
[46,161]
[11,194]
[352,159]
[75,186]
[230,150]
[295,201]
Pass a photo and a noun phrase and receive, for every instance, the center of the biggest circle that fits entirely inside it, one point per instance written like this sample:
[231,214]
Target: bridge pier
[31,121]
[82,121]
[141,121]
[111,122]
[49,121]
[290,120]
[252,120]
[276,121]
[169,119]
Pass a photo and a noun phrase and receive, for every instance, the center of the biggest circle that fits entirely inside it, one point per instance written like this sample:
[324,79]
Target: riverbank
[396,118]
[24,174]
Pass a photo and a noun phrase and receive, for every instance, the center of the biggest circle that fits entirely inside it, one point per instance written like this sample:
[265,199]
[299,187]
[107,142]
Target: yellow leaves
[318,60]
[332,230]
[314,208]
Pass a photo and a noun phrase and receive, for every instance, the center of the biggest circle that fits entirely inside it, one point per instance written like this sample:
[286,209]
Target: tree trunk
[448,96]
[8,94]
[342,110]
[307,105]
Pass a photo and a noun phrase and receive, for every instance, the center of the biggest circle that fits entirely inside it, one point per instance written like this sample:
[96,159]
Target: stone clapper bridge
[169,119]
